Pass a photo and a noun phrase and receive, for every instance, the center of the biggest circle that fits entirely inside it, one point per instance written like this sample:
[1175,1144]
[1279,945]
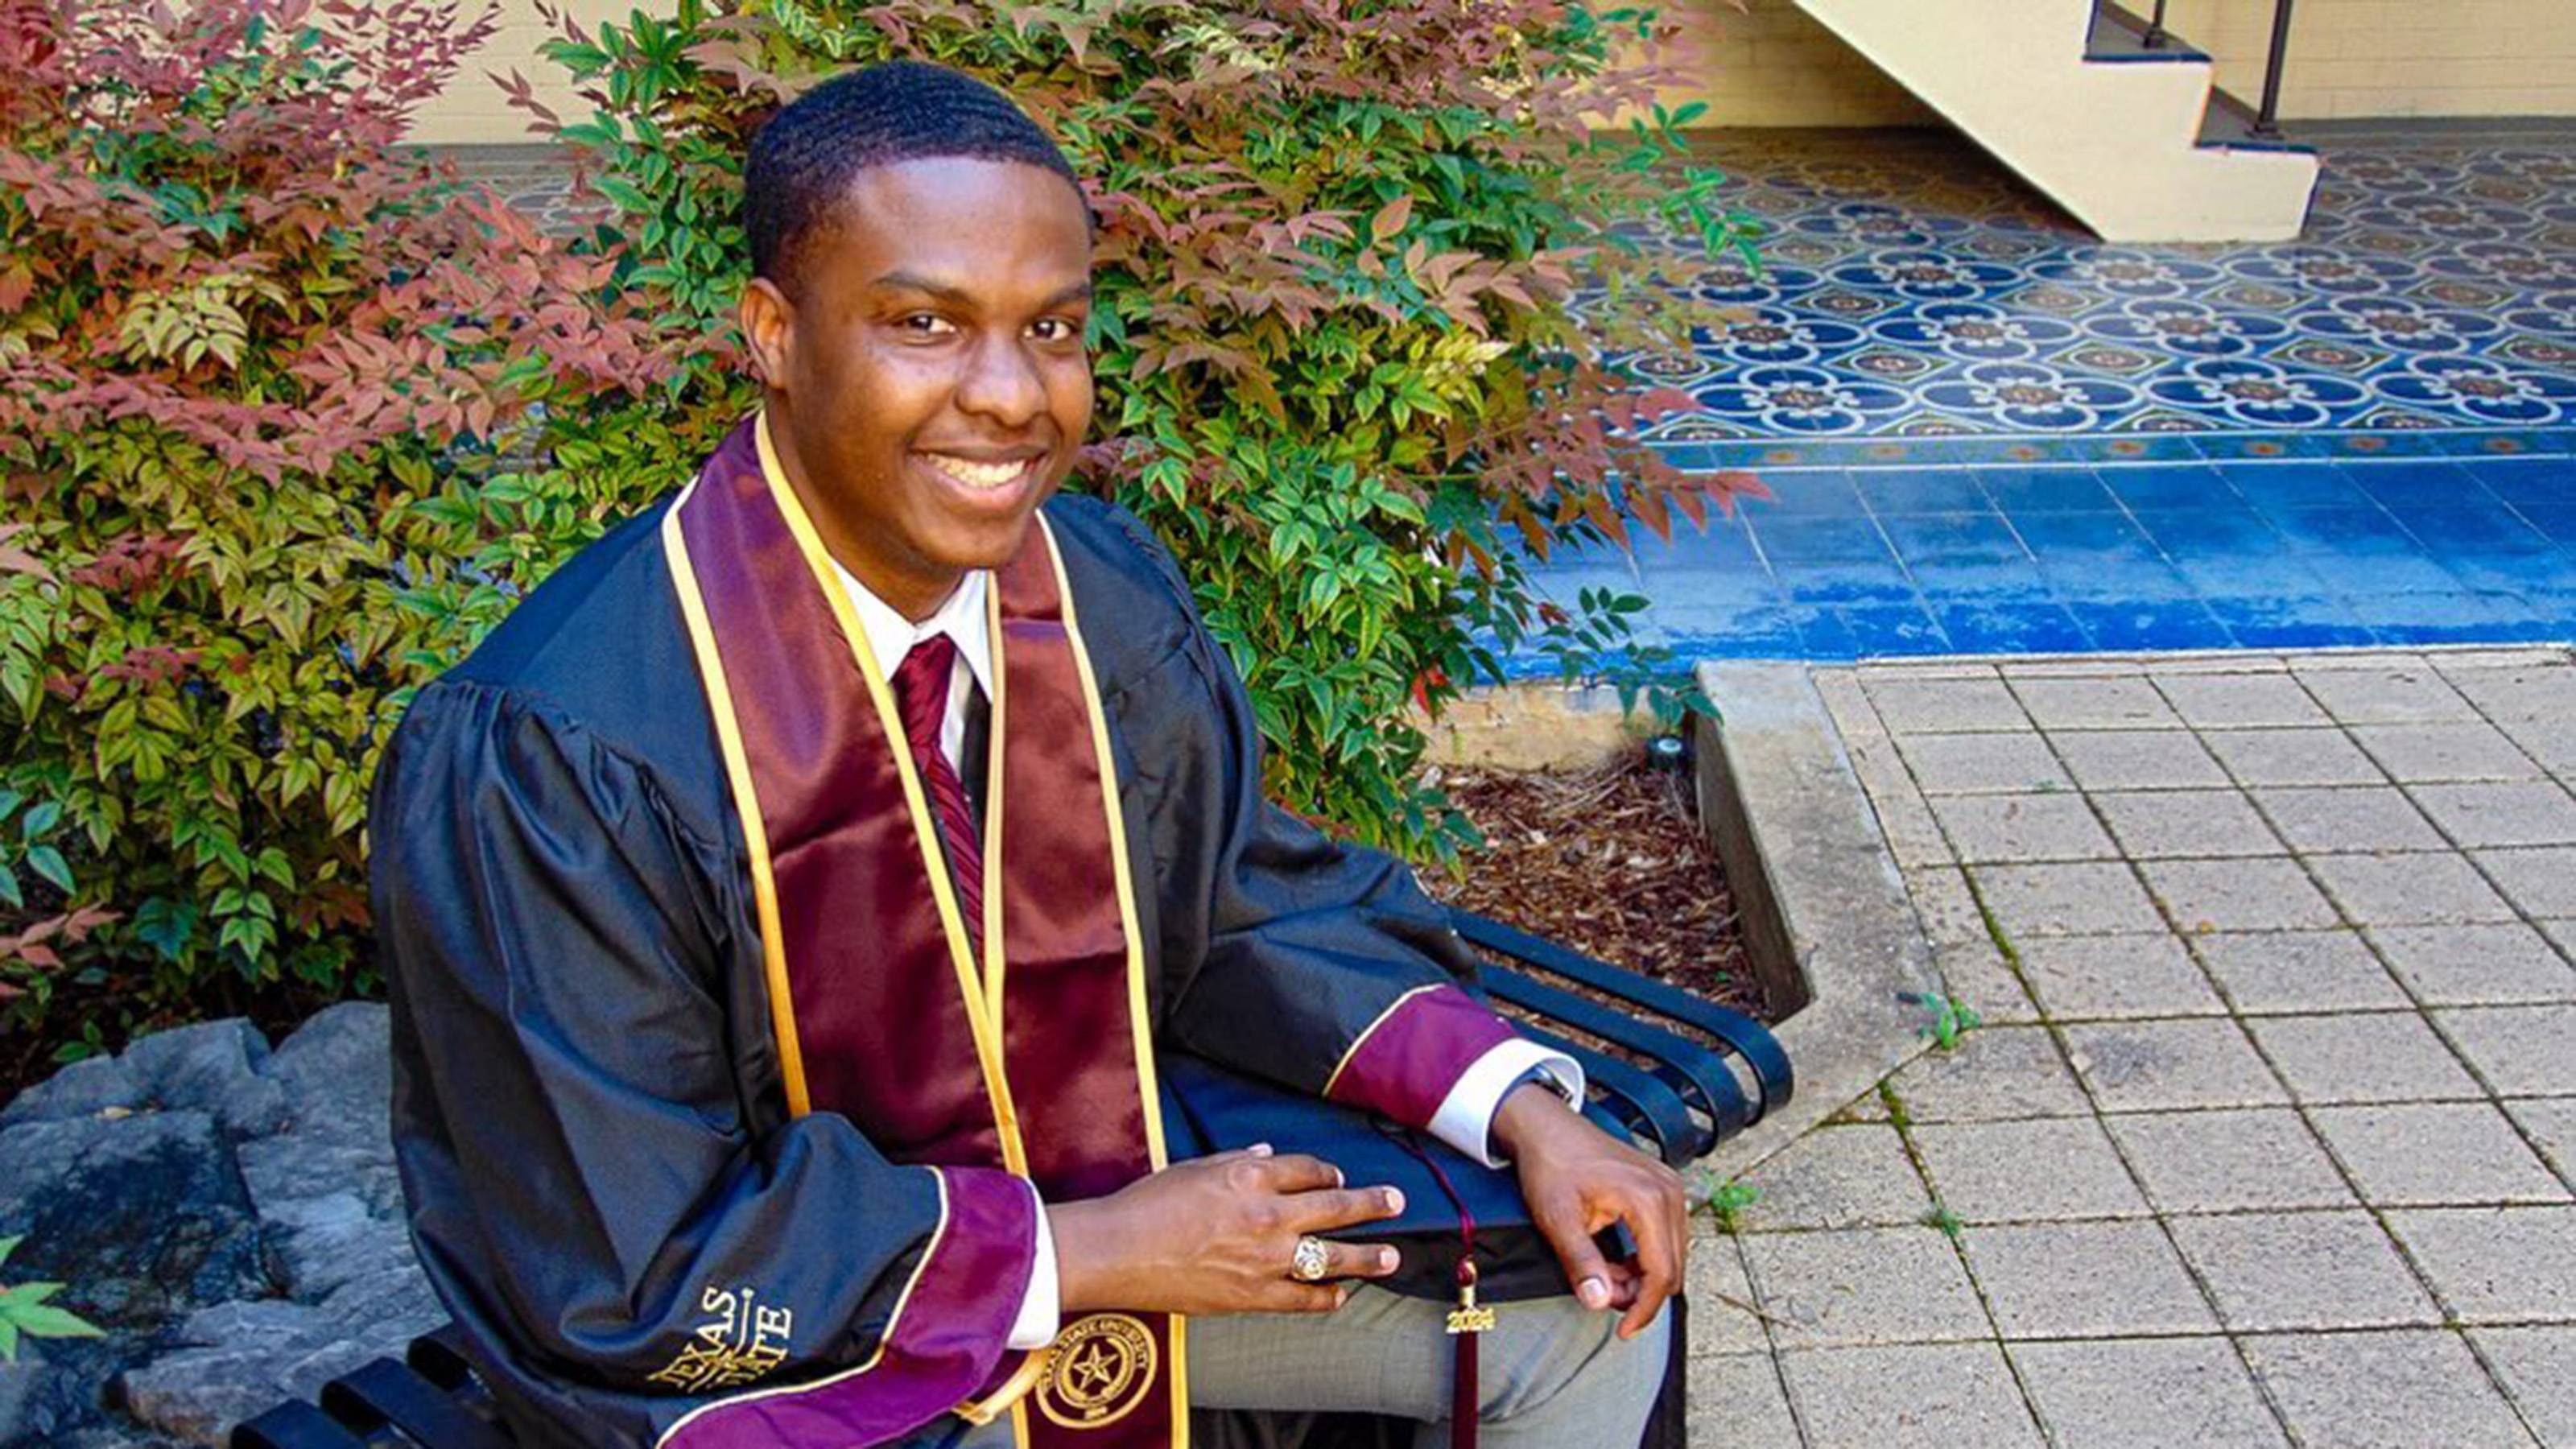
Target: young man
[761,1080]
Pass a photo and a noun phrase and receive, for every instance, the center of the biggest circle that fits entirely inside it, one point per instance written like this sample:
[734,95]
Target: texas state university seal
[1103,1368]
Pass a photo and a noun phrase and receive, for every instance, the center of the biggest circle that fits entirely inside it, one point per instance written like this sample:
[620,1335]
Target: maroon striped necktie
[921,692]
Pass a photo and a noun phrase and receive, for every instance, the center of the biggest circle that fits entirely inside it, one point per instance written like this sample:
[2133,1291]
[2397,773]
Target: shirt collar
[961,617]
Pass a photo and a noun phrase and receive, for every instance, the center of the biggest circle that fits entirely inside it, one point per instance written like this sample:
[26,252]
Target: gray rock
[268,1324]
[317,1245]
[389,1308]
[103,1437]
[212,1068]
[337,1070]
[197,1394]
[177,1189]
[83,1089]
[56,1389]
[242,1358]
[143,1216]
[22,1385]
[299,1166]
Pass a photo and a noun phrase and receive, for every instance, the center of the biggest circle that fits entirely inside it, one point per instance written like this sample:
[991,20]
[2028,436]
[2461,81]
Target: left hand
[1579,1180]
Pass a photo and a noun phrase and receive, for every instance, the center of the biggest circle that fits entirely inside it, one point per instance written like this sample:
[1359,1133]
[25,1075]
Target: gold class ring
[1307,1265]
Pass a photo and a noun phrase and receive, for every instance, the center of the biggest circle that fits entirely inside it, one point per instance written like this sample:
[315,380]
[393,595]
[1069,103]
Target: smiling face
[928,384]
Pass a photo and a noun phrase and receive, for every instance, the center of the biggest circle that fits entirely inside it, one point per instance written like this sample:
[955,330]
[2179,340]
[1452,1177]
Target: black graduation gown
[588,1108]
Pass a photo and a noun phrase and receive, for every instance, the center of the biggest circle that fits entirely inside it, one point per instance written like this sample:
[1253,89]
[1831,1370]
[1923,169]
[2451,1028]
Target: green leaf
[43,1320]
[48,862]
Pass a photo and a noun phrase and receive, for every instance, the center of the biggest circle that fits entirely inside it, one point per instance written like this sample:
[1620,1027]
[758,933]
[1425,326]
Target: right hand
[1217,1235]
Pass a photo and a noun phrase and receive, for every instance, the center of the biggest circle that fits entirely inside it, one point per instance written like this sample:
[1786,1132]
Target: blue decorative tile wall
[1987,433]
[1912,296]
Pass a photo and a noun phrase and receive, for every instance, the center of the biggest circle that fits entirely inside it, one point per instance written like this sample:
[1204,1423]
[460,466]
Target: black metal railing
[2267,118]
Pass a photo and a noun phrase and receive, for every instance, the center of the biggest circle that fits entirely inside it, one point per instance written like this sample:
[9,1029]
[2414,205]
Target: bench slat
[1748,1038]
[1683,1064]
[386,1392]
[1649,1105]
[294,1424]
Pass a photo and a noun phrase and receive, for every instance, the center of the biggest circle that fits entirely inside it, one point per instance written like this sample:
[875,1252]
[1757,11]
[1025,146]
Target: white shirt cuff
[1042,1307]
[1466,1116]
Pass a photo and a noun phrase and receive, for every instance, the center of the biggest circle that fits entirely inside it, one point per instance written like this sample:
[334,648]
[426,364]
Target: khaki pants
[1553,1374]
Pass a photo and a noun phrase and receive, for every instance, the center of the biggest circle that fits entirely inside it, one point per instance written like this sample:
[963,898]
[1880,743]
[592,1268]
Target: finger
[1677,1211]
[1585,1268]
[1297,1172]
[1341,1207]
[1358,1260]
[1659,1268]
[1291,1297]
[1624,1281]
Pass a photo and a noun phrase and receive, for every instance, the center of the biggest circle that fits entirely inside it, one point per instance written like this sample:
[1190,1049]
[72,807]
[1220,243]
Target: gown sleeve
[632,1243]
[1311,962]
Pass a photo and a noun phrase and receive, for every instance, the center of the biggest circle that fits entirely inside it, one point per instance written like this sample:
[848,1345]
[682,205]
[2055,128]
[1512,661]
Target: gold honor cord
[746,804]
[1141,1027]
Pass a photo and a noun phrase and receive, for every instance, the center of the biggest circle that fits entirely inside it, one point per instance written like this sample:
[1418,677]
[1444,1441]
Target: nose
[1002,383]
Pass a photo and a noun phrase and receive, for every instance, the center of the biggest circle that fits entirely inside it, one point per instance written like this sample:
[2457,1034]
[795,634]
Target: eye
[1057,329]
[925,324]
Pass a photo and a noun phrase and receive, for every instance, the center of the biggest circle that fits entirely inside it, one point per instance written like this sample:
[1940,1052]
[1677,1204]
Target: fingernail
[1594,1293]
[1341,1295]
[1394,1200]
[1386,1260]
[1338,1179]
[1259,1149]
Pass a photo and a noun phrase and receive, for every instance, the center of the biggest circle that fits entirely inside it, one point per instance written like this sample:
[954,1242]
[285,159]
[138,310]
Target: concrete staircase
[2137,142]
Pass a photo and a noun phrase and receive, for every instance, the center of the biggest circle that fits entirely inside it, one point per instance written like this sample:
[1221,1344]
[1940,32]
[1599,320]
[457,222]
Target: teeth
[973,474]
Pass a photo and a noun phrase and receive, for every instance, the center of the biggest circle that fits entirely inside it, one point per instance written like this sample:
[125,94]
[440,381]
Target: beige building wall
[1772,65]
[1775,66]
[2362,58]
[473,110]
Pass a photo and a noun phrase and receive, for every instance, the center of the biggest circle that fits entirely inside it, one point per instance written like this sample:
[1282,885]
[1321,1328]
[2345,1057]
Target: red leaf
[1391,219]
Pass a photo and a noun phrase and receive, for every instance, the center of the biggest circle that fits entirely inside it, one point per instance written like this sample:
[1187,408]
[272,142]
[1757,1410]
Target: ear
[768,323]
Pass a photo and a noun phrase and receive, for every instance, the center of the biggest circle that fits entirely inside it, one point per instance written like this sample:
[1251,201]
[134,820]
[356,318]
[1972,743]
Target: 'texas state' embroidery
[744,1340]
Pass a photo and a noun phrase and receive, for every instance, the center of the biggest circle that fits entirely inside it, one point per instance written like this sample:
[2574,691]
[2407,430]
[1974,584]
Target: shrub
[1339,373]
[256,361]
[24,1312]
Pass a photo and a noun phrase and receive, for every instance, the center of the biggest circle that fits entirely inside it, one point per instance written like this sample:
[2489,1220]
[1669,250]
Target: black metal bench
[1682,1074]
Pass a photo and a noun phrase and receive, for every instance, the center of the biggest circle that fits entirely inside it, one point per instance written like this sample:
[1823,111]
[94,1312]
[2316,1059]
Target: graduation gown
[644,1236]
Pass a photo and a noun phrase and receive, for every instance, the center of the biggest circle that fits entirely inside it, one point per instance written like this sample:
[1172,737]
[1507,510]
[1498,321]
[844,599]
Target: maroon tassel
[1468,1320]
[1465,1397]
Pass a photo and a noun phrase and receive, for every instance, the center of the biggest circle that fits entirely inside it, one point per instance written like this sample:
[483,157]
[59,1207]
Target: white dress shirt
[1466,1116]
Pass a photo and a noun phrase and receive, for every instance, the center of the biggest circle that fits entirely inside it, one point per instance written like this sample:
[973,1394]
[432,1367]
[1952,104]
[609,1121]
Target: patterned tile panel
[1917,302]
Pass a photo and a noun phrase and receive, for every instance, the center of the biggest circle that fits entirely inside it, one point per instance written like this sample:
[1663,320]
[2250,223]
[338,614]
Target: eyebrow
[958,297]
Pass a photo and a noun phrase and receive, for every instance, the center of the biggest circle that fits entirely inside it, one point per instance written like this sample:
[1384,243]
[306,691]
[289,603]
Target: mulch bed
[1610,861]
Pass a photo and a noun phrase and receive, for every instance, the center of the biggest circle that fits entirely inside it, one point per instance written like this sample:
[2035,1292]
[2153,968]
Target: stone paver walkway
[2269,1135]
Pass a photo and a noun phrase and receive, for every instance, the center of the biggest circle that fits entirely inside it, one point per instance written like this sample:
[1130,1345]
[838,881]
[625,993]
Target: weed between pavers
[1951,1020]
[1726,1201]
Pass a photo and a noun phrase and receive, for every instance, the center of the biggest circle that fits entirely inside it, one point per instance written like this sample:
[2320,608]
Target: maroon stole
[1032,1066]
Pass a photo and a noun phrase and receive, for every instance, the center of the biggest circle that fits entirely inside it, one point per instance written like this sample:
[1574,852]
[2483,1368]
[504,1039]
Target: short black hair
[803,158]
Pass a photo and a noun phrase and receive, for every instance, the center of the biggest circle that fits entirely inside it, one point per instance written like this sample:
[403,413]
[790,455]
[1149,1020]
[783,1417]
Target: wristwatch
[1540,1076]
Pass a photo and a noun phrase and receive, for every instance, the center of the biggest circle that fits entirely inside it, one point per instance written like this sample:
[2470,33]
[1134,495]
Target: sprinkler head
[1668,754]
